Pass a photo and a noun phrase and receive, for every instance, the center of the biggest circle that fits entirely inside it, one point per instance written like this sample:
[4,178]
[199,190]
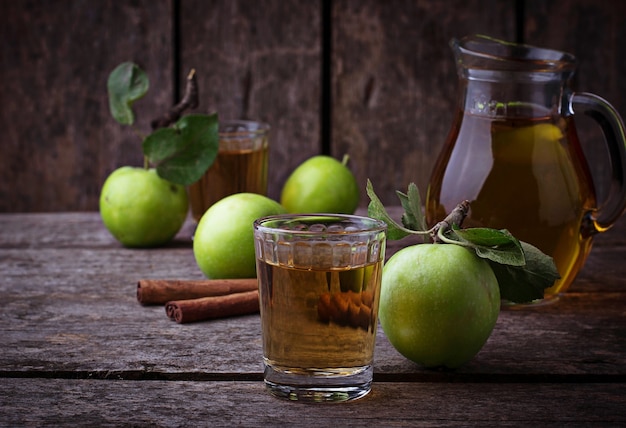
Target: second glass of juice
[240,166]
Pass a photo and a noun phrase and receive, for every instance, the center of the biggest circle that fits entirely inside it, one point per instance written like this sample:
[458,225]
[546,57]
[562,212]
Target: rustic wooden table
[78,349]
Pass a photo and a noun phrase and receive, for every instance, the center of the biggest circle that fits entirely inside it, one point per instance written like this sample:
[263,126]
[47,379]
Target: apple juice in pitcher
[514,154]
[519,175]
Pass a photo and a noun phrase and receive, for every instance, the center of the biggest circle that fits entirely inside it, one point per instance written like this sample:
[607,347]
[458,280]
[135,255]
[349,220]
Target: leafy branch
[180,148]
[522,270]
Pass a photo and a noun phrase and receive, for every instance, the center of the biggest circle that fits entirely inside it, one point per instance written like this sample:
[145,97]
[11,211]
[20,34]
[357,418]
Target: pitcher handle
[612,125]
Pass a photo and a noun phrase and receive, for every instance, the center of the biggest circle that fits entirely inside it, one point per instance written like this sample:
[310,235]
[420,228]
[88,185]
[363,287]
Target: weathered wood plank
[60,141]
[70,306]
[52,328]
[34,402]
[261,61]
[77,348]
[69,230]
[393,81]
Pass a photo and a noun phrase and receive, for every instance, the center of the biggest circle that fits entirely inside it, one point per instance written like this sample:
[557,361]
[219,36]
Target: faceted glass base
[317,386]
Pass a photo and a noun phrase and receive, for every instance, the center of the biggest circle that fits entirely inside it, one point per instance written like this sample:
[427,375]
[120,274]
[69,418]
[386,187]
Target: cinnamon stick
[160,291]
[205,308]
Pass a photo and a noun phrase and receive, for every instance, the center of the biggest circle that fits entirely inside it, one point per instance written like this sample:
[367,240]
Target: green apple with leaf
[440,301]
[146,206]
[443,313]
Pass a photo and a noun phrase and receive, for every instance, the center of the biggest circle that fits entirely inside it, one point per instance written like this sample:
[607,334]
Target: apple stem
[189,100]
[146,163]
[456,216]
[345,159]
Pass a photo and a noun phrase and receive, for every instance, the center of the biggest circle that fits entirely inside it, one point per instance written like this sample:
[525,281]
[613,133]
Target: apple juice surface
[319,320]
[519,175]
[234,171]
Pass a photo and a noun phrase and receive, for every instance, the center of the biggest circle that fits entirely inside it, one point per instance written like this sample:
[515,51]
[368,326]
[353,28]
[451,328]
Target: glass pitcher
[514,154]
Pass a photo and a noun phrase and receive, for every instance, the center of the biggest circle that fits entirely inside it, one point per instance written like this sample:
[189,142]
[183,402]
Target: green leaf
[161,144]
[523,284]
[486,237]
[184,152]
[413,217]
[496,245]
[376,210]
[126,84]
[523,271]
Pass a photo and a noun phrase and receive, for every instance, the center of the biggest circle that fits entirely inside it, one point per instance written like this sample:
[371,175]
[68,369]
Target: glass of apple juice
[319,286]
[241,165]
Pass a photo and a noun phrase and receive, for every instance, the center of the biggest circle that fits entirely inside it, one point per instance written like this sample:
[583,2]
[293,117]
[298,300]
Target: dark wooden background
[371,78]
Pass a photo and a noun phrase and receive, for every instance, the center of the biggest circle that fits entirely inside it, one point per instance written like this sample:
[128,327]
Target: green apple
[223,244]
[438,303]
[321,184]
[140,209]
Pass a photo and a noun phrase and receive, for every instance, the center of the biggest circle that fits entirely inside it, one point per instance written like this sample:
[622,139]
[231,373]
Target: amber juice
[319,320]
[525,175]
[232,172]
[319,283]
[241,165]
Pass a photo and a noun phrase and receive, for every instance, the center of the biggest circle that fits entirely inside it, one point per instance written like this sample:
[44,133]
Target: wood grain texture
[60,140]
[78,349]
[33,402]
[70,307]
[392,81]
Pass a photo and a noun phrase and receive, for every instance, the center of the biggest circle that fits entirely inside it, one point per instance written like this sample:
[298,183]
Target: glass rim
[242,128]
[375,225]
